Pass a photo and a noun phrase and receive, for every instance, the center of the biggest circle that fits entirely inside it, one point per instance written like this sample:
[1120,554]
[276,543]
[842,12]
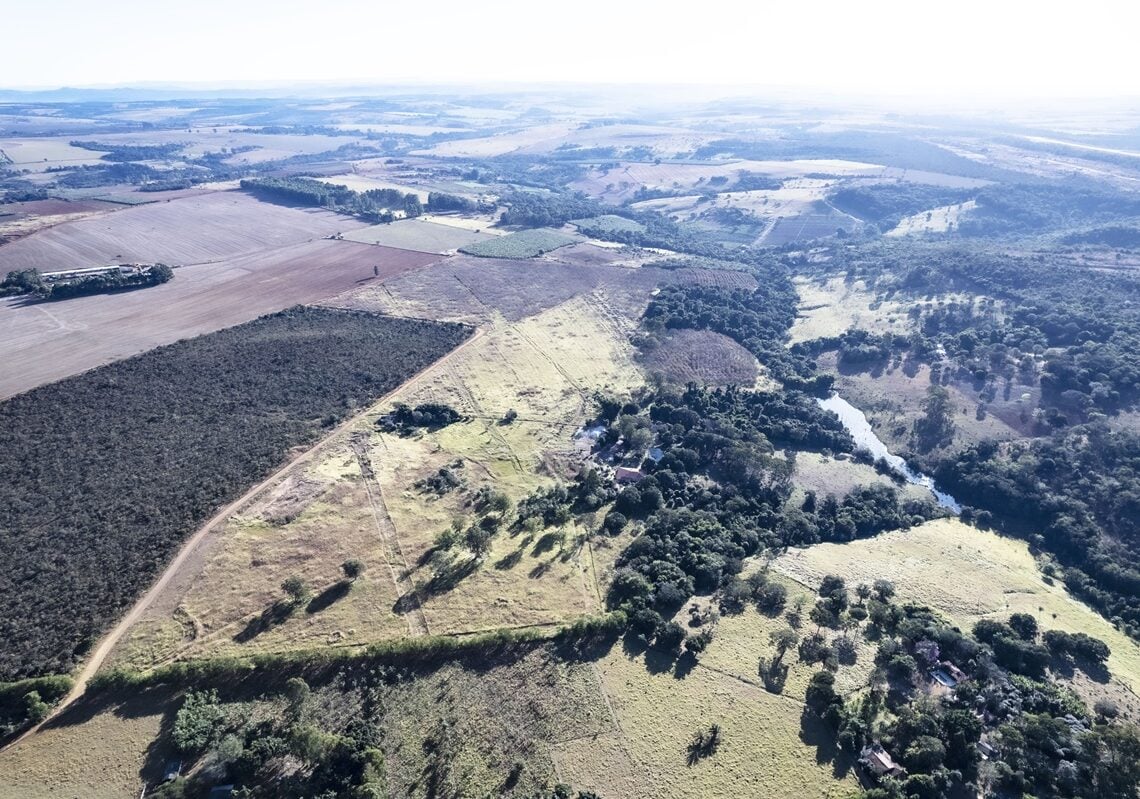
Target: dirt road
[107,644]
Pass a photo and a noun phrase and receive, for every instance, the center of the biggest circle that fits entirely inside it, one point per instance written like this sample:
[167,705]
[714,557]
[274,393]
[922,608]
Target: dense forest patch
[108,471]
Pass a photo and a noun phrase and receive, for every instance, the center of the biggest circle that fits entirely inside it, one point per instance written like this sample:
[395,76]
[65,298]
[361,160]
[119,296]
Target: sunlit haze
[969,49]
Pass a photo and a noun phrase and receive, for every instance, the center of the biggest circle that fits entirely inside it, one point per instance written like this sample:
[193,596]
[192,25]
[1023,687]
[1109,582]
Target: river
[860,429]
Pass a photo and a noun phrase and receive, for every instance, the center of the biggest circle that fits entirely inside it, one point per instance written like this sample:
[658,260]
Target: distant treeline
[131,152]
[29,281]
[107,472]
[439,201]
[374,205]
[885,204]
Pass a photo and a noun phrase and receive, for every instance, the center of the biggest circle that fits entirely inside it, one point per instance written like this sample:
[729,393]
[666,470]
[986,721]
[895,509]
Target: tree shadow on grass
[814,731]
[545,544]
[276,614]
[684,665]
[333,593]
[509,561]
[446,578]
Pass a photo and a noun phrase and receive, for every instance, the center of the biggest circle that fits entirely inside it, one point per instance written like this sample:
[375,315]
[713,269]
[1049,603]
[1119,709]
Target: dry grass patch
[703,357]
[831,306]
[93,752]
[763,750]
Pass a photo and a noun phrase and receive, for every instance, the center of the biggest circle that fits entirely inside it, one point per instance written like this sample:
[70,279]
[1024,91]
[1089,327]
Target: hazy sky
[967,47]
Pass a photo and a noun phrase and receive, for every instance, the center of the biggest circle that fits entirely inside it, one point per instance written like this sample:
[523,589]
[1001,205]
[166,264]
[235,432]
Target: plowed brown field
[45,341]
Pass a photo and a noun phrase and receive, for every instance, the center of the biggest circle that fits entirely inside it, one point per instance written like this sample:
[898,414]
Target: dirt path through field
[109,641]
[386,530]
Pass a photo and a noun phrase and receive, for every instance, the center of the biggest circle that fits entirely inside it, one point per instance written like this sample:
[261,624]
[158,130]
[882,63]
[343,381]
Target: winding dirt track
[107,644]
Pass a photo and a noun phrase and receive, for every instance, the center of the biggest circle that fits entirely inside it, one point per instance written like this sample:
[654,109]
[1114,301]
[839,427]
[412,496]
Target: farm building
[879,761]
[624,474]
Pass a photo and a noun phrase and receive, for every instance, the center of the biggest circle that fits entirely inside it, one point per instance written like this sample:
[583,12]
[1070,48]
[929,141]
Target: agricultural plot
[363,183]
[530,139]
[39,154]
[46,341]
[610,223]
[620,183]
[480,290]
[21,219]
[523,244]
[418,235]
[192,230]
[702,357]
[968,574]
[807,227]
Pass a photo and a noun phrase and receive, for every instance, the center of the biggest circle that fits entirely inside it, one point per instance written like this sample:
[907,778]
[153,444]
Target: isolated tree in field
[296,589]
[352,568]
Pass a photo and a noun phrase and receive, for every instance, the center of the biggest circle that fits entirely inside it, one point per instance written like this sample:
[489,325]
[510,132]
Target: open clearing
[893,401]
[831,306]
[416,234]
[364,183]
[936,220]
[703,357]
[968,574]
[44,341]
[191,230]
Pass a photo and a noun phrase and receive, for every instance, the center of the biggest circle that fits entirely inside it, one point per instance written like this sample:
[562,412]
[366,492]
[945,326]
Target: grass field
[43,342]
[893,401]
[102,751]
[416,234]
[523,244]
[657,712]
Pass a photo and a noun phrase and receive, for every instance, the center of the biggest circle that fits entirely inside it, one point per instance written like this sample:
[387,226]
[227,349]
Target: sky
[966,48]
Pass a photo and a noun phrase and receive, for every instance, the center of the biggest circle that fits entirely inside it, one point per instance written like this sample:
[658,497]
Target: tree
[197,722]
[669,636]
[35,708]
[783,639]
[1024,625]
[296,589]
[478,540]
[352,568]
